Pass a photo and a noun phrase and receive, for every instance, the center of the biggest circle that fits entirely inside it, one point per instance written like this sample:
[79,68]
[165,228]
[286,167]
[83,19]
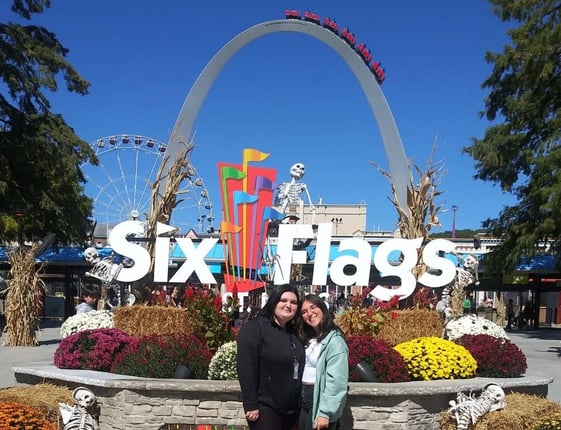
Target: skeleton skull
[297,171]
[470,263]
[493,391]
[84,397]
[91,255]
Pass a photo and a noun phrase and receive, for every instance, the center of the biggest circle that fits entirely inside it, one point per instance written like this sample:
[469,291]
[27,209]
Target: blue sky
[288,94]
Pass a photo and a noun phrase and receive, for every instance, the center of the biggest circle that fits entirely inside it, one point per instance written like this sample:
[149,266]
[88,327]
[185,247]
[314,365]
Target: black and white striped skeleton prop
[466,275]
[469,409]
[104,269]
[77,416]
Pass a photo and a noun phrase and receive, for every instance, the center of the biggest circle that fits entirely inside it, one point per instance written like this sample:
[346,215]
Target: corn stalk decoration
[161,207]
[24,297]
[422,214]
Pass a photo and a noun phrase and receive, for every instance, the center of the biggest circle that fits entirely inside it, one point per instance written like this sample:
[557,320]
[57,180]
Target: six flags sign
[287,256]
[247,196]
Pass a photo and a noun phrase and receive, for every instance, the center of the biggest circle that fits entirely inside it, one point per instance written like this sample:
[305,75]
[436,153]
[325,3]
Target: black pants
[270,419]
[306,409]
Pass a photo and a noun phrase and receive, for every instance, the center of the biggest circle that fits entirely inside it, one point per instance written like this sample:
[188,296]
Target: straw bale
[142,320]
[410,324]
[522,411]
[43,397]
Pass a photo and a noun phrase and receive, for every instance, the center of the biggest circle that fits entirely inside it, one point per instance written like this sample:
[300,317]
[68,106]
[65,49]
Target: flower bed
[18,416]
[422,357]
[143,403]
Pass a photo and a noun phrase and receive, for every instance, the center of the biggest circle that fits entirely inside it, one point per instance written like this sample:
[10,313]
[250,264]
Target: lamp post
[454,210]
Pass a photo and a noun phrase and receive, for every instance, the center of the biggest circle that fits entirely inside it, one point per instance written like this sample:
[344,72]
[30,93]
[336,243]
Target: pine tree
[520,151]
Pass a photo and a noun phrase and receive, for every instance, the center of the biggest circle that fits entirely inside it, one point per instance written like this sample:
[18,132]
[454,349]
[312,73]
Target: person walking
[527,315]
[509,313]
[270,363]
[326,373]
[467,305]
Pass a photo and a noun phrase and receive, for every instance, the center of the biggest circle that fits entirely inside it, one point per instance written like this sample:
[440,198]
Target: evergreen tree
[40,155]
[520,152]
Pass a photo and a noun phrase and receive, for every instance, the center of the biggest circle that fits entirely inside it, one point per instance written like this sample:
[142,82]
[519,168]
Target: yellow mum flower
[429,358]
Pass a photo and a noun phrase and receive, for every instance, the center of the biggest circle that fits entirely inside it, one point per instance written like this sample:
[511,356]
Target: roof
[62,254]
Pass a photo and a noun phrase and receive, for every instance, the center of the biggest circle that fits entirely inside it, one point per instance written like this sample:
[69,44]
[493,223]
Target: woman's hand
[321,423]
[252,415]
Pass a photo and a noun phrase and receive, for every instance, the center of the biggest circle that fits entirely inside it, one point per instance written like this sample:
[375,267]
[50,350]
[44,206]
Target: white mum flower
[472,324]
[86,321]
[223,364]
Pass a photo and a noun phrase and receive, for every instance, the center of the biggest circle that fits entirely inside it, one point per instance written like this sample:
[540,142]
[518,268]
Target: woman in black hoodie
[270,363]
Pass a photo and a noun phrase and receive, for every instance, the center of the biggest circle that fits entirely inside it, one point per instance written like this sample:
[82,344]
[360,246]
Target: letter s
[120,244]
[408,247]
[434,261]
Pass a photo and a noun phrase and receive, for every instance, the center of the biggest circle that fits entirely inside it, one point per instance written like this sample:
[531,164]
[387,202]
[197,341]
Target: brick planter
[129,402]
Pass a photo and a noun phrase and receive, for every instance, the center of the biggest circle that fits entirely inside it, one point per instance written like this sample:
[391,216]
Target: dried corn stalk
[422,212]
[24,297]
[162,206]
[457,296]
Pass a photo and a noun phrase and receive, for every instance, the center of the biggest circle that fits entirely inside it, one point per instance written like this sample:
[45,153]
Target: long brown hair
[327,324]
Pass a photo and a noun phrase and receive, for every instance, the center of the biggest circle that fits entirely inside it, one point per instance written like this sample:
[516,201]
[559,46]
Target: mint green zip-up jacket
[332,377]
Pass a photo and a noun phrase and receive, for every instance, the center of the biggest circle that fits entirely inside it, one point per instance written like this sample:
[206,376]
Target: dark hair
[268,311]
[91,291]
[326,325]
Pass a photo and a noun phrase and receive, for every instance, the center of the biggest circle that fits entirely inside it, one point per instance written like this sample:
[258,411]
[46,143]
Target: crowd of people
[525,317]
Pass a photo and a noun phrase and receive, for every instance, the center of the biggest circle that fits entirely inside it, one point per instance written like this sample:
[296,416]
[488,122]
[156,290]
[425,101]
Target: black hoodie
[266,366]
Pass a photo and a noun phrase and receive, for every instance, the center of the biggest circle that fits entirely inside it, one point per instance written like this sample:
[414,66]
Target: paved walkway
[541,347]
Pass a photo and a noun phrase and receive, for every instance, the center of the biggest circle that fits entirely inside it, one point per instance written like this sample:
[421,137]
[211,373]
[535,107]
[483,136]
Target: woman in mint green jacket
[326,373]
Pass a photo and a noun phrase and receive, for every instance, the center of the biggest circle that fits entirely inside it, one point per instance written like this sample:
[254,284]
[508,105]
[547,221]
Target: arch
[395,153]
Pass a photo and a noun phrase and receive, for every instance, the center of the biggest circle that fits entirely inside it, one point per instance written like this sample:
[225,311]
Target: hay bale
[410,324]
[522,411]
[145,320]
[42,397]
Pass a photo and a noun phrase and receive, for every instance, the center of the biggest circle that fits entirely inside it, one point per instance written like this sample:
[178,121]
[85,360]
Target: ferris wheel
[121,184]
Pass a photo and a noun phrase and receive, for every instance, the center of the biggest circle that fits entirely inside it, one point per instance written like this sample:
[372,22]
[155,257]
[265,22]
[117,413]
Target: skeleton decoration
[78,417]
[468,409]
[465,275]
[104,269]
[288,193]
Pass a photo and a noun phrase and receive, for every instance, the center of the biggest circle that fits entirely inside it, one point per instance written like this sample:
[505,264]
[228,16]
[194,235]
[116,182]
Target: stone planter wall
[139,403]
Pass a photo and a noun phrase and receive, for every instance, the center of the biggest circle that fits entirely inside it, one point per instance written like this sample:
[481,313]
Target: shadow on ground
[543,333]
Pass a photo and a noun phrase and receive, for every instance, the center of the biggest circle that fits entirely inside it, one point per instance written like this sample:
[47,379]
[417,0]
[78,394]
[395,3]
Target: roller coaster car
[331,25]
[364,52]
[312,17]
[349,37]
[292,14]
[378,71]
